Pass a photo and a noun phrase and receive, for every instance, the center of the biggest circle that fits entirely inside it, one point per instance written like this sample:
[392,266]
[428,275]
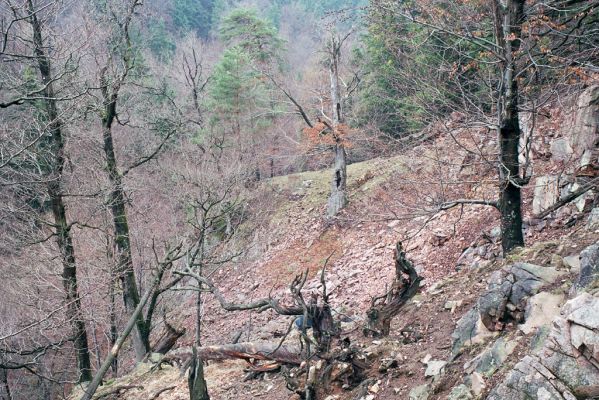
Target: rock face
[566,366]
[469,330]
[588,278]
[541,309]
[586,127]
[508,291]
[547,193]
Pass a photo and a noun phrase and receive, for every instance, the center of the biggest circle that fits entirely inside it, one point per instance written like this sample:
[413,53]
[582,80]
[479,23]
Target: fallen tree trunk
[248,350]
[169,339]
[383,308]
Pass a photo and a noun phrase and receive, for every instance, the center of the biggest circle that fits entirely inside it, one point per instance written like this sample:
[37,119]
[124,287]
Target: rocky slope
[482,326]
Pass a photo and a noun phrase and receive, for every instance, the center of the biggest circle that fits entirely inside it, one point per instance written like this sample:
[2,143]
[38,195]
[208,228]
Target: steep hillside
[454,247]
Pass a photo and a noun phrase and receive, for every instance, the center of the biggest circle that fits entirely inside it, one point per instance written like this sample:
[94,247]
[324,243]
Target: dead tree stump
[196,382]
[383,308]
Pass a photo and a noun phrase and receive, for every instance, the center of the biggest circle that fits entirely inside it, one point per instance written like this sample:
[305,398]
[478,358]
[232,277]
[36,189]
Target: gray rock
[421,392]
[490,360]
[573,263]
[541,309]
[565,367]
[434,368]
[586,125]
[588,278]
[460,392]
[546,193]
[508,291]
[561,150]
[593,220]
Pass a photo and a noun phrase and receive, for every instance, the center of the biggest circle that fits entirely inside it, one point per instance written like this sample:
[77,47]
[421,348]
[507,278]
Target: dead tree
[169,339]
[383,308]
[196,382]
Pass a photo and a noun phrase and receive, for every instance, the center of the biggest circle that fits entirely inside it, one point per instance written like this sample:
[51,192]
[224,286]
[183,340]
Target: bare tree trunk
[122,239]
[196,382]
[338,197]
[61,226]
[113,329]
[509,19]
[198,333]
[4,387]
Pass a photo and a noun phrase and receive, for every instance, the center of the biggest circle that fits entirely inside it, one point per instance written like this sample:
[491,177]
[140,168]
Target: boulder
[421,392]
[492,358]
[565,367]
[593,220]
[469,330]
[460,392]
[435,368]
[572,263]
[588,277]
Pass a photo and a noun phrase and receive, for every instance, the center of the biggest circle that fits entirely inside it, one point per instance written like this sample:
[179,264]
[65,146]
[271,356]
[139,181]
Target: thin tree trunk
[62,228]
[510,198]
[122,239]
[113,328]
[131,323]
[338,197]
[4,387]
[117,203]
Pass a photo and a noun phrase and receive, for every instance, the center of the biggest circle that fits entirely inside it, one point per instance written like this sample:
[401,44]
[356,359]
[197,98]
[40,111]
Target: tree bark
[405,285]
[338,197]
[248,350]
[61,225]
[196,382]
[4,387]
[169,339]
[510,16]
[141,342]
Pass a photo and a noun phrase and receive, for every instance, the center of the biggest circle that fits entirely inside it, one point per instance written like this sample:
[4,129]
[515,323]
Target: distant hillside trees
[489,62]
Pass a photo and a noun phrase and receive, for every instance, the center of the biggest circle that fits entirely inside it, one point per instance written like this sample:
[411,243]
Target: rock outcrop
[588,277]
[508,290]
[567,365]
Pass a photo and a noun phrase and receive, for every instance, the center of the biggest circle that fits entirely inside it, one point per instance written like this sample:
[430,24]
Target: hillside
[456,251]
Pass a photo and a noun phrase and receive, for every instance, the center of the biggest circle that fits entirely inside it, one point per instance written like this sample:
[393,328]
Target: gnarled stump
[383,308]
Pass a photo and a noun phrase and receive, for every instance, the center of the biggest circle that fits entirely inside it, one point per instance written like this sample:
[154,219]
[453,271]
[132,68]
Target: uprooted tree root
[333,361]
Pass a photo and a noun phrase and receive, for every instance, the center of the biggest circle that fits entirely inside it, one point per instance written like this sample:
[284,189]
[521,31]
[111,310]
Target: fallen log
[248,351]
[169,339]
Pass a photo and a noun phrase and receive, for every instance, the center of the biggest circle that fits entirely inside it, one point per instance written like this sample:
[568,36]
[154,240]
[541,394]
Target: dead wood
[159,392]
[169,339]
[592,184]
[383,308]
[117,391]
[252,351]
[196,382]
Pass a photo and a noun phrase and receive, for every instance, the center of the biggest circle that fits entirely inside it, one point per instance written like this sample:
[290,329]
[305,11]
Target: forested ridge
[294,199]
